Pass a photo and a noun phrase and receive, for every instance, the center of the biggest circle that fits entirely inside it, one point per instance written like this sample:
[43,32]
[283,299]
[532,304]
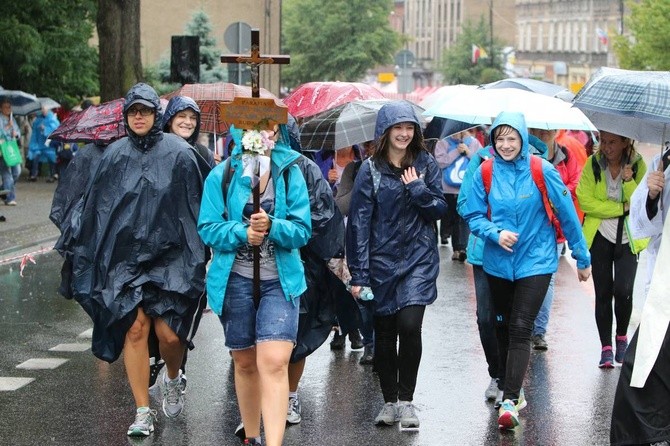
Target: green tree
[457,66]
[331,40]
[44,48]
[647,46]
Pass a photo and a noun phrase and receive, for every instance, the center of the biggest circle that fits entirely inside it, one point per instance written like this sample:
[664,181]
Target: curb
[17,253]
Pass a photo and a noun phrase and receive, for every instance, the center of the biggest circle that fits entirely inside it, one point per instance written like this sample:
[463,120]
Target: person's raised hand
[409,175]
[655,182]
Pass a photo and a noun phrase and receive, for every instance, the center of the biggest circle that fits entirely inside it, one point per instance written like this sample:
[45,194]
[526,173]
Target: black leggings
[604,260]
[516,305]
[398,367]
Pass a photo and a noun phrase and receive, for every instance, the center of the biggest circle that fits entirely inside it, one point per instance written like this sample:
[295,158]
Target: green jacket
[597,206]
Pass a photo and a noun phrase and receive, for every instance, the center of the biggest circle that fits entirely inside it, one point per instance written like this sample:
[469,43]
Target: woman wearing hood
[137,259]
[182,117]
[391,247]
[520,246]
[260,334]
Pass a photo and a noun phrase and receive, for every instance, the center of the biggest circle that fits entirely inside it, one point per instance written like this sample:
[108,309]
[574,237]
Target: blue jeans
[542,319]
[243,326]
[9,177]
[486,320]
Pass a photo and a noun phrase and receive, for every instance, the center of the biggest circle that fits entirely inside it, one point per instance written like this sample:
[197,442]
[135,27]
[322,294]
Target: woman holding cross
[261,335]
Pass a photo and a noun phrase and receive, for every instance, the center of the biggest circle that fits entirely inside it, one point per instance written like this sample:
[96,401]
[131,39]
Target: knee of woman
[138,332]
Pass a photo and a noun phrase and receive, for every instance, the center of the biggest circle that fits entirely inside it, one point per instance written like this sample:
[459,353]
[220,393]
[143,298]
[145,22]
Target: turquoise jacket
[291,223]
[516,205]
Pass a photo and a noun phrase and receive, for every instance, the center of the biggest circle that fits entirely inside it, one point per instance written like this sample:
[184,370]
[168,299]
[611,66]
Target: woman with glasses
[137,259]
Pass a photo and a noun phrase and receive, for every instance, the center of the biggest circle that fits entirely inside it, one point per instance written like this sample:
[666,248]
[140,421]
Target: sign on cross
[254,112]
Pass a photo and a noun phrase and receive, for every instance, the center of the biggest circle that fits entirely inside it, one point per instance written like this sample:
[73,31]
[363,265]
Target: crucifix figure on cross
[255,60]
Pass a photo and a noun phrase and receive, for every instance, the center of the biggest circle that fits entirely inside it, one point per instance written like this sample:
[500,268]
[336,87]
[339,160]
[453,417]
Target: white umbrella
[49,103]
[481,106]
[443,93]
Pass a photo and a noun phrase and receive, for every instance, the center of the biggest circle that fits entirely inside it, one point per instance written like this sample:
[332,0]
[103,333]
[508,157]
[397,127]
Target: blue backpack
[453,174]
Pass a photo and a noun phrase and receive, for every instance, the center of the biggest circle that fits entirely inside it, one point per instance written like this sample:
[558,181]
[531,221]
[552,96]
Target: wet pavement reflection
[88,402]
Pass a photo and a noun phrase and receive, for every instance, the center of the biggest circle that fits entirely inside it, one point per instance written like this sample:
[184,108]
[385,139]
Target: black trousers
[398,352]
[613,273]
[516,305]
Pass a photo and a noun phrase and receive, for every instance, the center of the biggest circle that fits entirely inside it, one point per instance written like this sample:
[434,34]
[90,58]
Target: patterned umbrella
[209,96]
[315,97]
[635,104]
[22,103]
[343,126]
[98,123]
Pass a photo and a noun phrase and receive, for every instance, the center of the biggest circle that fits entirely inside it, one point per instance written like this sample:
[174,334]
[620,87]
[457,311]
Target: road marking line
[76,347]
[8,384]
[88,334]
[42,363]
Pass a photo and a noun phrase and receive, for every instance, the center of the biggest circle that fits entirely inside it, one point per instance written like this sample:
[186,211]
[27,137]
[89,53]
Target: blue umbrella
[22,103]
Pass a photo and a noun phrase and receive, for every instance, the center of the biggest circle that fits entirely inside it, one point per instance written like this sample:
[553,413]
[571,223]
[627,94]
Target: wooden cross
[254,112]
[255,61]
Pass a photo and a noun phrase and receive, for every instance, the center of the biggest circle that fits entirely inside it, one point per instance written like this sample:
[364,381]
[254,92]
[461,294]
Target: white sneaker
[293,416]
[143,425]
[173,395]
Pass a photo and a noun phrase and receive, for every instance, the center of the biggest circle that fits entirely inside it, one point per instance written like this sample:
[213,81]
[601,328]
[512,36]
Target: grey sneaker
[143,425]
[173,396]
[539,343]
[388,415]
[492,390]
[293,415]
[407,415]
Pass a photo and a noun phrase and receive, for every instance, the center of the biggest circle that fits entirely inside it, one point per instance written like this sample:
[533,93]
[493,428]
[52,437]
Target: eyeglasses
[144,111]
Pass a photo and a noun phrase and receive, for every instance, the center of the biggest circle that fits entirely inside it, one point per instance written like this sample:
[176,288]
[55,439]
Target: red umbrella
[98,123]
[208,97]
[314,97]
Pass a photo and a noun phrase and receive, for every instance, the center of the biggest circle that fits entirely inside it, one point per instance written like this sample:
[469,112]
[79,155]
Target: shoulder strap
[487,174]
[538,178]
[225,182]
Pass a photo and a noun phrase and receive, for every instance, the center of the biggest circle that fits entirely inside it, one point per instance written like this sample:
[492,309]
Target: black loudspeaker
[185,60]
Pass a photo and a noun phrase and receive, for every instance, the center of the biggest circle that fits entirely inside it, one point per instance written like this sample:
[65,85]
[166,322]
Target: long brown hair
[416,145]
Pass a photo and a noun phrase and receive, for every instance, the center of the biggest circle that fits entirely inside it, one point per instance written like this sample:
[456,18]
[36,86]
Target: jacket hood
[177,104]
[394,113]
[144,94]
[517,121]
[281,153]
[294,133]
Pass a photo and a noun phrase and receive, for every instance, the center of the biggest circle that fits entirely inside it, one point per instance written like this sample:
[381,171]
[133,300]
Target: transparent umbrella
[22,103]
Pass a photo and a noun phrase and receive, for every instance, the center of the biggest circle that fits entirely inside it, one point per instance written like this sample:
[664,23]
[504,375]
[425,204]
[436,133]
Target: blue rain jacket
[291,223]
[391,239]
[43,126]
[516,205]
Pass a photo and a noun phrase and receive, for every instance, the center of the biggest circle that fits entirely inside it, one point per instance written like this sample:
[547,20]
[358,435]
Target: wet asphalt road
[88,402]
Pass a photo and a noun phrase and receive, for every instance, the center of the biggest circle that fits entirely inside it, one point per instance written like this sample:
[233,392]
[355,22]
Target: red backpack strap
[487,175]
[538,178]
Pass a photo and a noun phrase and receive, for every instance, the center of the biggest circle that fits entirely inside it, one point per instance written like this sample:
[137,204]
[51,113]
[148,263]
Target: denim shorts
[243,326]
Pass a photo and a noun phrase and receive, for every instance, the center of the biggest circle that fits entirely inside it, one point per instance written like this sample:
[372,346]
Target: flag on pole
[477,53]
[602,36]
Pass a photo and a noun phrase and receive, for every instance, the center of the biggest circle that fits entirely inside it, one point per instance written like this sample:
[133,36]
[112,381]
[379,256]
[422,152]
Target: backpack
[453,174]
[538,178]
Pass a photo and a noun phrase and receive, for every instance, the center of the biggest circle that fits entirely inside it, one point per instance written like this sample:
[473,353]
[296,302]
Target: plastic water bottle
[365,294]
